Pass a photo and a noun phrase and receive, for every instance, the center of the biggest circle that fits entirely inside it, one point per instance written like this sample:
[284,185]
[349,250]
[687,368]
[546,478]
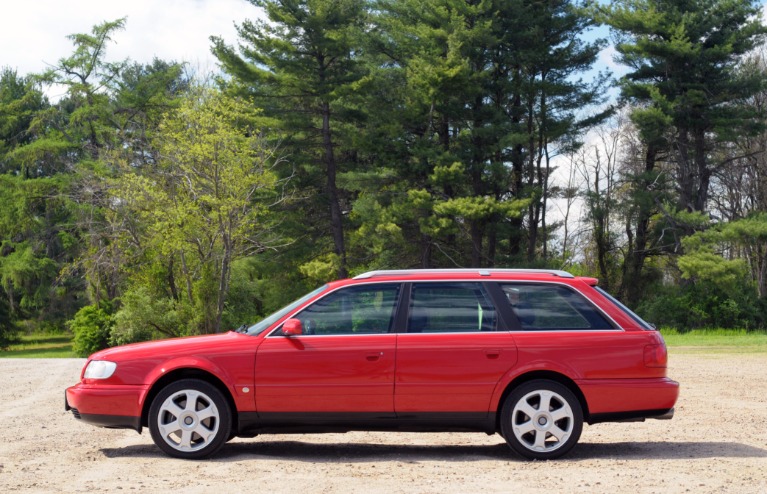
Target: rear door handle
[493,354]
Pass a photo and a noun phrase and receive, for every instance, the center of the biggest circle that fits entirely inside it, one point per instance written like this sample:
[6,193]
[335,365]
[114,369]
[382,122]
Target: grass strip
[41,346]
[716,341]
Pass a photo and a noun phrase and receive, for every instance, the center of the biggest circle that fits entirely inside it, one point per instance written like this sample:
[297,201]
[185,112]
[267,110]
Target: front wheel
[541,420]
[190,419]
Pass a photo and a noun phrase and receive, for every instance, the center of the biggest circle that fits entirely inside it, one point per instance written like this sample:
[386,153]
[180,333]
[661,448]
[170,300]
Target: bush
[91,326]
[145,316]
[8,330]
[703,305]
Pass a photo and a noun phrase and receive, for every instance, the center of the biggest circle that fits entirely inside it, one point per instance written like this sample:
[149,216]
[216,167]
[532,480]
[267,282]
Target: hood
[187,345]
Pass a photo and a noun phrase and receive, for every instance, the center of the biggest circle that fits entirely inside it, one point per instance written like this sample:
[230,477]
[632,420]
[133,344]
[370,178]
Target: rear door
[453,353]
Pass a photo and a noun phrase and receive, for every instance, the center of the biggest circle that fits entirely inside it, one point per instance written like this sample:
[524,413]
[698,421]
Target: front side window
[259,327]
[552,307]
[450,308]
[364,309]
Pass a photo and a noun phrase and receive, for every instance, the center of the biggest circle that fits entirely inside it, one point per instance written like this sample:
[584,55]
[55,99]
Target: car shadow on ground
[365,452]
[666,450]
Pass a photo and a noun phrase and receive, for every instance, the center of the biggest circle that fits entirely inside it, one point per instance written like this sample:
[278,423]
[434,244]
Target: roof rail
[480,271]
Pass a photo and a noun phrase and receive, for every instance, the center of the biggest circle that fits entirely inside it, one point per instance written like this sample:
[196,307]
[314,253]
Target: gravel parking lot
[717,442]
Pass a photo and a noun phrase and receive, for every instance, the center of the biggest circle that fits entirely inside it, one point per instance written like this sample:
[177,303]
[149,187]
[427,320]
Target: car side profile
[529,354]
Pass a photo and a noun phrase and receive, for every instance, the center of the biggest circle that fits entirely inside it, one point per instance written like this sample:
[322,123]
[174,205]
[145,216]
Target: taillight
[655,355]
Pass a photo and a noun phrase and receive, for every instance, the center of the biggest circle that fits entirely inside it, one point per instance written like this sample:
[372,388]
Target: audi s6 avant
[529,354]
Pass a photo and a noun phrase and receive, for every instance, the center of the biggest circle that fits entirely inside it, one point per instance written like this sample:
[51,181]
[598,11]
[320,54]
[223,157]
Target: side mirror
[292,327]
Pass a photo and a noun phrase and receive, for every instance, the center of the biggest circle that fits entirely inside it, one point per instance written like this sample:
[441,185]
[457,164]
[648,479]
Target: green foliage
[321,269]
[302,66]
[8,328]
[143,315]
[710,304]
[21,101]
[91,327]
[202,207]
[685,80]
[34,246]
[352,135]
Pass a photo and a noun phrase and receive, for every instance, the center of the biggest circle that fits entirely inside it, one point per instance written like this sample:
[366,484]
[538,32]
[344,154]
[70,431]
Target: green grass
[41,346]
[716,341]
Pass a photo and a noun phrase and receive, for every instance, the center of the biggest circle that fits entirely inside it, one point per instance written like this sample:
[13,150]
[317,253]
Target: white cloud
[607,58]
[33,33]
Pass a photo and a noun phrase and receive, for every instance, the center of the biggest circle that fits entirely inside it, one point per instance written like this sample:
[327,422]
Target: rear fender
[539,369]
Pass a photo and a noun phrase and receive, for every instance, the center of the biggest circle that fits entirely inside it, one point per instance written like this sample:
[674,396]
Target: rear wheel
[190,419]
[541,420]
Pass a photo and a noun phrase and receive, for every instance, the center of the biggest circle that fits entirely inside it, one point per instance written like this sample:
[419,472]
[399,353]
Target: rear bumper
[117,407]
[627,399]
[666,416]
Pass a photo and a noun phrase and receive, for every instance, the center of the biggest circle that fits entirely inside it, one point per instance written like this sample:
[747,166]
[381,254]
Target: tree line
[347,135]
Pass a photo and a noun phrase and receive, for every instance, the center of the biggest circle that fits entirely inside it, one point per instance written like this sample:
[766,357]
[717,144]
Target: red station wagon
[529,354]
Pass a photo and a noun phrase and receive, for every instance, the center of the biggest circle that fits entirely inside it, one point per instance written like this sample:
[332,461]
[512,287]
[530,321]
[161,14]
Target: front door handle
[372,357]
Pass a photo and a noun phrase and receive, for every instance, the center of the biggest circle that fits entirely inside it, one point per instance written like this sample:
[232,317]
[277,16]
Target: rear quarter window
[551,307]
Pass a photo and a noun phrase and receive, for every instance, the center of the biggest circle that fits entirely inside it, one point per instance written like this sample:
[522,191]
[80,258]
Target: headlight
[99,369]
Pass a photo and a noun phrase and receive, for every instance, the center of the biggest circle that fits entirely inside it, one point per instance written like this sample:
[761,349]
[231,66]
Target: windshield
[642,323]
[260,326]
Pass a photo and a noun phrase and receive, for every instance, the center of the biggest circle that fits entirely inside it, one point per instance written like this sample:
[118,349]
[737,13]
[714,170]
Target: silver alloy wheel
[542,421]
[188,420]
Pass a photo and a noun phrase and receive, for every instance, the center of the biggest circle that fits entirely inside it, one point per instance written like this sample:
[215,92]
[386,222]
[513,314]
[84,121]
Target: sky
[33,32]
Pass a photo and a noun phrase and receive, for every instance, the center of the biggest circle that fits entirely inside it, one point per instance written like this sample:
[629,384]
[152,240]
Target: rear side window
[552,307]
[450,308]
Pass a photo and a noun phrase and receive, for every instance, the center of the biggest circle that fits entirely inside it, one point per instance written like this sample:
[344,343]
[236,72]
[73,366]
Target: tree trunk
[685,172]
[632,280]
[223,281]
[516,238]
[476,243]
[533,213]
[426,247]
[336,218]
[704,174]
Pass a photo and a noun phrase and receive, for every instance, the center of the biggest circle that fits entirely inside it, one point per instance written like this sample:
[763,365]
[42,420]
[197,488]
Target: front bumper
[117,407]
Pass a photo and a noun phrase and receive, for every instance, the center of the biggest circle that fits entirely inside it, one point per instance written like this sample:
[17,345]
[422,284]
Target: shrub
[144,316]
[91,327]
[8,329]
[703,305]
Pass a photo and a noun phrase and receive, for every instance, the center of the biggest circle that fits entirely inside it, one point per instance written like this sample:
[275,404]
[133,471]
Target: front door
[342,363]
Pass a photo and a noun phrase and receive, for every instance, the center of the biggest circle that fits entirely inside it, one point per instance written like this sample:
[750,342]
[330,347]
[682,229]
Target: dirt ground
[717,442]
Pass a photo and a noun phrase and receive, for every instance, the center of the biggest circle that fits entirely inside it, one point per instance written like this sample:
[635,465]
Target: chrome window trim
[373,281]
[476,271]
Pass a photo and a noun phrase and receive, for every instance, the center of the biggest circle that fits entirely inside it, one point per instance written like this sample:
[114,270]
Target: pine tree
[299,66]
[683,57]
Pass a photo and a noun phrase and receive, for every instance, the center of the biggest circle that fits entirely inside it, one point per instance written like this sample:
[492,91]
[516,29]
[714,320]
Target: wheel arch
[547,375]
[189,373]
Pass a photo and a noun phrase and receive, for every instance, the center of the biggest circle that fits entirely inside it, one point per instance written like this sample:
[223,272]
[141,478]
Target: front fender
[236,375]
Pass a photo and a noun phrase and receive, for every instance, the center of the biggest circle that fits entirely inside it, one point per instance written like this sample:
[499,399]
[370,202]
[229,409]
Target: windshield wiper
[242,329]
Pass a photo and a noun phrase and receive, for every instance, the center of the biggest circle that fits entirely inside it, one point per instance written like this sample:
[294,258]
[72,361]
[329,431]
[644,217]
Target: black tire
[541,433]
[190,419]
